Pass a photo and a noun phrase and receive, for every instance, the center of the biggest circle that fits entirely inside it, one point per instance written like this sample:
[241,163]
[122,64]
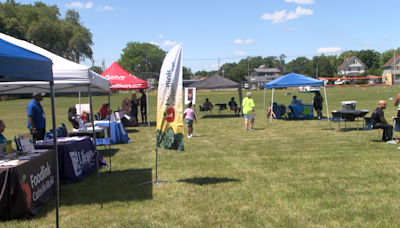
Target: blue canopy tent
[19,64]
[293,80]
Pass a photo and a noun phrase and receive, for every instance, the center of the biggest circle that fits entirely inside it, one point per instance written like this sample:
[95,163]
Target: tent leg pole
[55,151]
[109,124]
[326,104]
[95,145]
[272,104]
[147,108]
[264,105]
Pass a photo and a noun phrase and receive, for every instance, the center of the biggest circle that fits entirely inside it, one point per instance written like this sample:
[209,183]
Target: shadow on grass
[219,116]
[105,152]
[131,130]
[207,180]
[117,186]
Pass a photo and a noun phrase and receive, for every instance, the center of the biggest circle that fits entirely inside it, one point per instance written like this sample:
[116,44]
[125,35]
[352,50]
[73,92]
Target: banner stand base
[153,182]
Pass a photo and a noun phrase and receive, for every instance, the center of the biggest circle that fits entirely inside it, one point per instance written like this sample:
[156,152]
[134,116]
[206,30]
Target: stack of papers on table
[9,163]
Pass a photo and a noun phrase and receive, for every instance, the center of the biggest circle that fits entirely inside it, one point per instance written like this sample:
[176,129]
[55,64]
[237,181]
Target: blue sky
[232,30]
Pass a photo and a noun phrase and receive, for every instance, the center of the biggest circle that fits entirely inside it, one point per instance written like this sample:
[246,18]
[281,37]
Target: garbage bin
[349,105]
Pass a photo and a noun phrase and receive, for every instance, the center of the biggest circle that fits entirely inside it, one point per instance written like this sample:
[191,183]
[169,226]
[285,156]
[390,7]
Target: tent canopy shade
[68,76]
[121,79]
[217,82]
[293,80]
[18,64]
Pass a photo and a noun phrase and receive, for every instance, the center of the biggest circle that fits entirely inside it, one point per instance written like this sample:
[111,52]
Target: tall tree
[142,57]
[41,25]
[96,69]
[296,65]
[386,55]
[323,64]
[186,72]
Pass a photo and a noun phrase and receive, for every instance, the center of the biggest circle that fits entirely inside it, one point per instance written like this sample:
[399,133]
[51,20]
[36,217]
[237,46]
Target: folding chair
[221,108]
[368,127]
[337,118]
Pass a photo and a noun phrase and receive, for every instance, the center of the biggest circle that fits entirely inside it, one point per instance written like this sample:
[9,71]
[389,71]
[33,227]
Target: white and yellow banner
[169,102]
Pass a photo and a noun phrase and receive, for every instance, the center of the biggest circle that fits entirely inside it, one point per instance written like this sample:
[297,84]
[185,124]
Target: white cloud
[301,1]
[159,36]
[366,45]
[79,5]
[248,41]
[215,65]
[277,17]
[299,12]
[329,49]
[289,29]
[152,42]
[281,16]
[167,42]
[387,38]
[239,53]
[100,8]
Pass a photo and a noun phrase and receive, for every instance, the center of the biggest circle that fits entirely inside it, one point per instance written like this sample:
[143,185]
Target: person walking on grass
[248,111]
[190,116]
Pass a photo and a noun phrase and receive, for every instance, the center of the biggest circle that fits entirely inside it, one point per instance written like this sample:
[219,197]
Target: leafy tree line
[326,65]
[41,24]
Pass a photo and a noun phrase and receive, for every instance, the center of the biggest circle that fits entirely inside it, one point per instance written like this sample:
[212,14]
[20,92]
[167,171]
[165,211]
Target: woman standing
[134,107]
[318,101]
[248,111]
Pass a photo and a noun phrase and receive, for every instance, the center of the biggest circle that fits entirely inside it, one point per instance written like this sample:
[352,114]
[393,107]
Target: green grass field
[283,174]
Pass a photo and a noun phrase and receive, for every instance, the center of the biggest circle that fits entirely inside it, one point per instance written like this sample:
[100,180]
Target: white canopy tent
[68,77]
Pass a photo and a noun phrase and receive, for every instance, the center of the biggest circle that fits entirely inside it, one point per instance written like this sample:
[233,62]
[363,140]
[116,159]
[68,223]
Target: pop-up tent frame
[19,64]
[293,80]
[217,82]
[120,79]
[68,77]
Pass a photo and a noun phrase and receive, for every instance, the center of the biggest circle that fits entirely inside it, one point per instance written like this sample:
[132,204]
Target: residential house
[390,69]
[261,75]
[351,67]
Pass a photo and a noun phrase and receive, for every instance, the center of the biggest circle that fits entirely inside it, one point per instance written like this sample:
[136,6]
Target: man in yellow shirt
[248,111]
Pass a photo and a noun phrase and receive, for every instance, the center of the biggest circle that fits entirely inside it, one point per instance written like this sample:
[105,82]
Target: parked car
[339,82]
[306,89]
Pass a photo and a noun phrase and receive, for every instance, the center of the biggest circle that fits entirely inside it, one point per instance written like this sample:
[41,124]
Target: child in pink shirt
[190,116]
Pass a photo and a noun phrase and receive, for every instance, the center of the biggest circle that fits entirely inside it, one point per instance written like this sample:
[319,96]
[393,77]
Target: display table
[26,186]
[352,114]
[101,132]
[76,158]
[118,133]
[302,111]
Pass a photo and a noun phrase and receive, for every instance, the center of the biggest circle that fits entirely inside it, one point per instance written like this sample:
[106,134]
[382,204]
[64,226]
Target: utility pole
[281,57]
[394,73]
[248,66]
[103,65]
[218,66]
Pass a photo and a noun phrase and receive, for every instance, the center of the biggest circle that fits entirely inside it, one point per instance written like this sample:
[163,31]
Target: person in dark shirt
[379,121]
[73,118]
[318,103]
[143,108]
[134,108]
[233,105]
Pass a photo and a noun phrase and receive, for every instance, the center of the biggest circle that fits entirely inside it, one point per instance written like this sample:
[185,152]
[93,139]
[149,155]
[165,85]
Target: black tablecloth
[26,187]
[76,159]
[352,114]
